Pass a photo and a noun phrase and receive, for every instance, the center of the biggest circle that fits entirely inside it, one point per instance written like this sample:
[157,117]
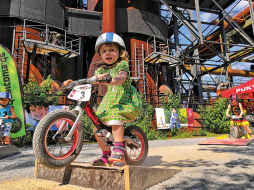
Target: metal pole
[251,14]
[176,37]
[196,68]
[238,28]
[47,36]
[109,16]
[24,30]
[198,21]
[13,40]
[187,24]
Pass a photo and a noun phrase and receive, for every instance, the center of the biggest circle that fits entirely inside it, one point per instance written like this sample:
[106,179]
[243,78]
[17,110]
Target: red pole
[109,16]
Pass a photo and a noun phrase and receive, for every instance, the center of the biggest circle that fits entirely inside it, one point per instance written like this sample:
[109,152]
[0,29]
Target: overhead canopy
[247,87]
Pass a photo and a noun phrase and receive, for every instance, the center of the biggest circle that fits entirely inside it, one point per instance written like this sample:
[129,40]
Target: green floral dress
[121,103]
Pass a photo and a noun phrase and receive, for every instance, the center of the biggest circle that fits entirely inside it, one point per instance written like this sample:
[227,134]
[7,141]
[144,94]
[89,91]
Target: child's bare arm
[227,112]
[119,79]
[13,114]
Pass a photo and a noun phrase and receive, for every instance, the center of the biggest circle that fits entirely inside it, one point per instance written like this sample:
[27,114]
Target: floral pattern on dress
[120,103]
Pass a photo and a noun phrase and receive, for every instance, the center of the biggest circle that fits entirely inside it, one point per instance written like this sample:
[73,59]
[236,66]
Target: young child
[234,103]
[37,112]
[121,102]
[8,113]
[174,120]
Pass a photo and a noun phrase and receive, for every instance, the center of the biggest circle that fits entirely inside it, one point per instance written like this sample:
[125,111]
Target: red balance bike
[56,149]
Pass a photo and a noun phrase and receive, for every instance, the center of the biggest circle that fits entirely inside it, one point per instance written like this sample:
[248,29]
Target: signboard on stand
[174,118]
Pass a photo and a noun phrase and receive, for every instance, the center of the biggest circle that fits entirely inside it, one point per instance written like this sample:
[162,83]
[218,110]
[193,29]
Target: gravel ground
[203,167]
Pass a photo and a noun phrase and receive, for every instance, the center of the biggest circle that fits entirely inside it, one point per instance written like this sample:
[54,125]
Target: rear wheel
[135,155]
[57,152]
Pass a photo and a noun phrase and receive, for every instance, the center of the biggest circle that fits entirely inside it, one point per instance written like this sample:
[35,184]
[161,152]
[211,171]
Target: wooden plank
[127,177]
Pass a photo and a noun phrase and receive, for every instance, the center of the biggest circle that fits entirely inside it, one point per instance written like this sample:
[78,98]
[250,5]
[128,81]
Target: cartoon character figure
[8,113]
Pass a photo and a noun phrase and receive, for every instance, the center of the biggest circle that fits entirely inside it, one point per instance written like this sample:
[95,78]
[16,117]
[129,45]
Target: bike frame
[96,121]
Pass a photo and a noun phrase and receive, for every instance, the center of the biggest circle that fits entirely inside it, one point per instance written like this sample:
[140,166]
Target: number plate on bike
[81,93]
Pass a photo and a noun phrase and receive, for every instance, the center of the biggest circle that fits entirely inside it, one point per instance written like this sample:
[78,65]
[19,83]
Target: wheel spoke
[62,149]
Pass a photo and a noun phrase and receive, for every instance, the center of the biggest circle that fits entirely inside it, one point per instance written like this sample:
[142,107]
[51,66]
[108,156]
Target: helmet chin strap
[109,66]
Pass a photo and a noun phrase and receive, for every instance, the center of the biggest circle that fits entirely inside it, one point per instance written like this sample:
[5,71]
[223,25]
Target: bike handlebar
[107,79]
[235,117]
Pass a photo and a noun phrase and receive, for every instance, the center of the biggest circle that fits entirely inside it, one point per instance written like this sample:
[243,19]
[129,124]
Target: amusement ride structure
[171,48]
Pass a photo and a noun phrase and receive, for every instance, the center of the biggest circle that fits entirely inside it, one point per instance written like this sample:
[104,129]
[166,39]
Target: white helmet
[5,95]
[109,37]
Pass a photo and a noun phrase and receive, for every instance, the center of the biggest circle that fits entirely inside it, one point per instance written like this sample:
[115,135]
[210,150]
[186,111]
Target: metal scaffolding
[209,47]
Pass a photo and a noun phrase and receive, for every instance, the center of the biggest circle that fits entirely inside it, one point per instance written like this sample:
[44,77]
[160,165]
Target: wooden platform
[106,178]
[9,150]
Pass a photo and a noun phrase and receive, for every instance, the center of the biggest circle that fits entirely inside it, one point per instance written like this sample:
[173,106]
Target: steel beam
[237,27]
[251,14]
[198,21]
[180,17]
[195,68]
[177,42]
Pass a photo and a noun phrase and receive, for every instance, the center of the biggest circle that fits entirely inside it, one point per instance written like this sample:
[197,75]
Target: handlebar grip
[107,79]
[71,85]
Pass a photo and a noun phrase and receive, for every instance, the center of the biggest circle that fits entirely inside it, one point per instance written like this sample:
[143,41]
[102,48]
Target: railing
[159,44]
[51,36]
[135,71]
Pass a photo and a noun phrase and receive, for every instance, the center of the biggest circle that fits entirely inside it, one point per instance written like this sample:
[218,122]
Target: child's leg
[103,160]
[6,133]
[118,151]
[249,131]
[100,142]
[6,140]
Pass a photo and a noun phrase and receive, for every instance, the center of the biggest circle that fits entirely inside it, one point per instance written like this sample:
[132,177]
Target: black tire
[43,142]
[133,155]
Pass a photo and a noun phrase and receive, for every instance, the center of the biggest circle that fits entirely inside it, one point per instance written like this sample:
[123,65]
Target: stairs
[20,55]
[139,69]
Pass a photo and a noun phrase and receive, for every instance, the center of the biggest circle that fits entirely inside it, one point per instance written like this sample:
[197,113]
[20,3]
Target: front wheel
[235,132]
[134,155]
[57,152]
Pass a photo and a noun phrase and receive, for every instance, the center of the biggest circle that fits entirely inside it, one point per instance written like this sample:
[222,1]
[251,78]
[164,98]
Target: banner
[35,113]
[175,118]
[10,82]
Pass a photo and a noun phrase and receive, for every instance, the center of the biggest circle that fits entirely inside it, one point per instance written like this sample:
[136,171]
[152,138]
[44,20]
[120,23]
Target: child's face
[174,110]
[38,112]
[109,53]
[4,101]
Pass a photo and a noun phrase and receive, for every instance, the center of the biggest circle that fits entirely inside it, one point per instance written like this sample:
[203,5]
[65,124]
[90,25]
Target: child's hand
[65,83]
[100,76]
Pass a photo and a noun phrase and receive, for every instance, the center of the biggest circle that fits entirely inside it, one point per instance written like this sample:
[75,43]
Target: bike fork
[68,137]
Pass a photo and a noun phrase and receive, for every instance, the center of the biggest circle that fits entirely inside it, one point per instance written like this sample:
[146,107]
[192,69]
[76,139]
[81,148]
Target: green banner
[10,82]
